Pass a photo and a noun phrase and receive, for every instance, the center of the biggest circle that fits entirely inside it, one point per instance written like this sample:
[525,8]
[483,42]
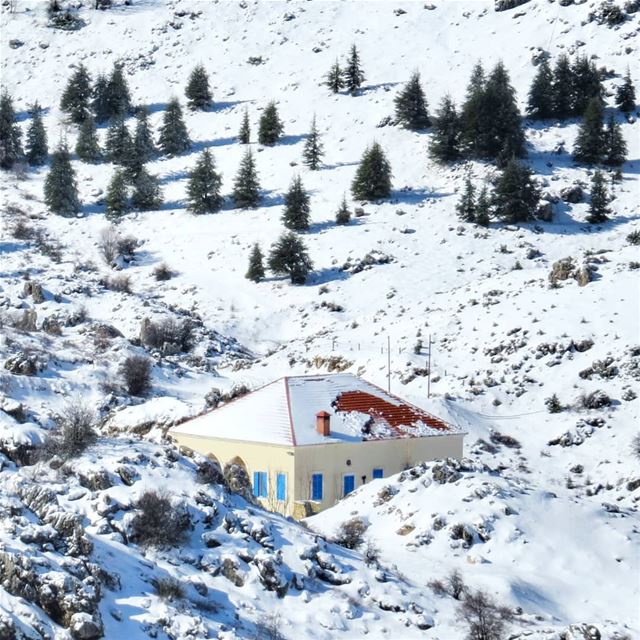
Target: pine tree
[615,147]
[471,124]
[146,191]
[246,189]
[313,149]
[198,91]
[540,100]
[270,128]
[483,208]
[76,97]
[289,256]
[118,144]
[117,199]
[373,177]
[586,84]
[244,135]
[352,74]
[562,88]
[203,188]
[334,79]
[118,95]
[343,215]
[466,207]
[598,208]
[143,136]
[626,95]
[174,138]
[100,99]
[411,106]
[589,146]
[88,146]
[515,196]
[296,207]
[10,134]
[445,139]
[60,190]
[37,150]
[255,272]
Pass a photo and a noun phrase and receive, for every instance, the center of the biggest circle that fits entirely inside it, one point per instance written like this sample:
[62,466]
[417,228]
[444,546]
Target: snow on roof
[284,413]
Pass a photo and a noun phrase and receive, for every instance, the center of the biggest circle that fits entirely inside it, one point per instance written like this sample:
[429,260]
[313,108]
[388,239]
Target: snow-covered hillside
[560,509]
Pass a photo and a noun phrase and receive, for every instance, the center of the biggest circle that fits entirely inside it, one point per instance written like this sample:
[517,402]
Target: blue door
[349,484]
[316,487]
[281,487]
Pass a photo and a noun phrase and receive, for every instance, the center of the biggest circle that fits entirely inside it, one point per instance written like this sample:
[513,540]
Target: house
[308,441]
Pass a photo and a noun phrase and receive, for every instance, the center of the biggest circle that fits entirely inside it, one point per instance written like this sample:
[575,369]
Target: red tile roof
[395,416]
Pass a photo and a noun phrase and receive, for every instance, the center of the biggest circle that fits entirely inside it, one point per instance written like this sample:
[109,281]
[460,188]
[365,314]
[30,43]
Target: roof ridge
[293,433]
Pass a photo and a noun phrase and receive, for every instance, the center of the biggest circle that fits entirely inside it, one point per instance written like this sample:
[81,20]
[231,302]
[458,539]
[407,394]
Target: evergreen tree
[146,191]
[246,188]
[540,101]
[515,196]
[37,150]
[118,144]
[100,99]
[373,177]
[198,92]
[352,74]
[76,97]
[626,95]
[88,146]
[60,190]
[445,140]
[598,208]
[289,256]
[255,272]
[143,136]
[343,215]
[483,208]
[589,146]
[118,95]
[313,149]
[471,114]
[203,188]
[615,147]
[296,207]
[244,135]
[562,88]
[466,207]
[10,134]
[334,78]
[411,106]
[586,84]
[174,138]
[117,199]
[270,128]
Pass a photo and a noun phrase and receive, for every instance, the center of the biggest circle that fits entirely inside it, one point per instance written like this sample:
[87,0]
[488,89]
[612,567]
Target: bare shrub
[268,627]
[127,246]
[237,480]
[136,372]
[21,230]
[635,446]
[455,585]
[595,400]
[162,272]
[502,438]
[121,283]
[158,522]
[168,588]
[438,587]
[75,431]
[167,331]
[48,246]
[351,533]
[25,321]
[634,238]
[108,244]
[486,619]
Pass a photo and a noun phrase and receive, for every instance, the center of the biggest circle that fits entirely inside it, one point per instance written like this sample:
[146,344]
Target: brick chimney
[322,423]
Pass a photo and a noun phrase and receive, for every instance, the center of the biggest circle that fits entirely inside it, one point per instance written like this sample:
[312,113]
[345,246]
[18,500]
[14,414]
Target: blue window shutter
[281,487]
[256,483]
[263,484]
[316,486]
[349,484]
[378,473]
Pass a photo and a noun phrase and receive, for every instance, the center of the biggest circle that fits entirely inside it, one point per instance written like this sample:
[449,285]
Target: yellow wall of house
[392,456]
[256,456]
[300,463]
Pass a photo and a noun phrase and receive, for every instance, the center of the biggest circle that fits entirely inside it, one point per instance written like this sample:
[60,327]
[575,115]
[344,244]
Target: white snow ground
[502,337]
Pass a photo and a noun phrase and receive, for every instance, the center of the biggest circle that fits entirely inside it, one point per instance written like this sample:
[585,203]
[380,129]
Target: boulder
[544,211]
[572,194]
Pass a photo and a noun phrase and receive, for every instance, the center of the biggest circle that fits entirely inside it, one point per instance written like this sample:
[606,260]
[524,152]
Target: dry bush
[351,533]
[486,619]
[158,522]
[121,283]
[111,245]
[167,331]
[168,588]
[75,431]
[162,272]
[136,372]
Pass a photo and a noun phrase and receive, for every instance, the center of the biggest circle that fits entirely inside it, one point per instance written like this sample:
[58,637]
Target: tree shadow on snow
[322,276]
[416,196]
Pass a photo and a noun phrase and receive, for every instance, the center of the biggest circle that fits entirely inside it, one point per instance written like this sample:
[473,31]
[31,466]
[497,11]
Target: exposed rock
[84,626]
[572,194]
[505,5]
[443,473]
[544,211]
[34,290]
[25,363]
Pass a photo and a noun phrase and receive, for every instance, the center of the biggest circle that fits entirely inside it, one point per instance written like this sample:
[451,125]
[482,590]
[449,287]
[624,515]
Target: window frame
[312,488]
[373,473]
[280,475]
[260,484]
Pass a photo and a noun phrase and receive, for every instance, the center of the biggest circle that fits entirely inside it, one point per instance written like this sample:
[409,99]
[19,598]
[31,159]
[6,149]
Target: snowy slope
[503,339]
